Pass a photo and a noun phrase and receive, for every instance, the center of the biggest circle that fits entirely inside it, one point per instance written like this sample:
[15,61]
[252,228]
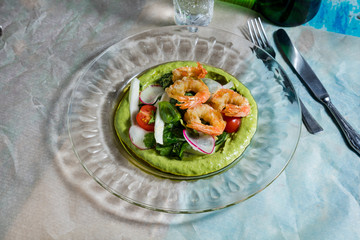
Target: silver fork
[258,37]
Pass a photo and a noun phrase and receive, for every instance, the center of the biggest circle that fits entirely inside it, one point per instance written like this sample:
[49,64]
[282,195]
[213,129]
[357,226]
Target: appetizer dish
[186,118]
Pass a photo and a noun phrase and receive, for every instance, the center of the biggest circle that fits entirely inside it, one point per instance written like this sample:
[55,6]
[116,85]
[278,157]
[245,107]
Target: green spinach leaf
[173,133]
[168,112]
[149,140]
[166,80]
[221,138]
[164,150]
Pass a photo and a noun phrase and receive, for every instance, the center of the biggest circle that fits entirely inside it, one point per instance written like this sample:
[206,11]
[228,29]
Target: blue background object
[338,16]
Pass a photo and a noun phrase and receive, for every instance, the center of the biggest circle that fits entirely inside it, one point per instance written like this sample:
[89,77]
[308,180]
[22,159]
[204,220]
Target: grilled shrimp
[178,89]
[194,72]
[230,103]
[205,112]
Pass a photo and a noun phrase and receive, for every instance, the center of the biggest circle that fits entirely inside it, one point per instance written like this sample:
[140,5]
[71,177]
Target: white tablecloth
[46,194]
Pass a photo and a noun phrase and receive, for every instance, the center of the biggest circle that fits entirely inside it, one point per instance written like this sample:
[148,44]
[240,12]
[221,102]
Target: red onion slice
[150,94]
[137,135]
[204,143]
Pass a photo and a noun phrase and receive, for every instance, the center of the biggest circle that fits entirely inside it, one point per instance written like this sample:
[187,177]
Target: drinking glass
[193,12]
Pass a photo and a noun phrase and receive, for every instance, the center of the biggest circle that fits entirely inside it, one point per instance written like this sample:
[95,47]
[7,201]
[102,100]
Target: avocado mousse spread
[186,119]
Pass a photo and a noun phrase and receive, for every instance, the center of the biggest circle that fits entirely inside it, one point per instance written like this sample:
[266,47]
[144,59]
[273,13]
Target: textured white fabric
[46,194]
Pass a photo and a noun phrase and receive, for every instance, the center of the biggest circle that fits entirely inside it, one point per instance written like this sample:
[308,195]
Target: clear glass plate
[101,87]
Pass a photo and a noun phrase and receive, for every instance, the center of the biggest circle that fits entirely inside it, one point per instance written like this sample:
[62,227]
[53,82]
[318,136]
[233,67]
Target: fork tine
[256,38]
[264,32]
[259,37]
[250,31]
[260,34]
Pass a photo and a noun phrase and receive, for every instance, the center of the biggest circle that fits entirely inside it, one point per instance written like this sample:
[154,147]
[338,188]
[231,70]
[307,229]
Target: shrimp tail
[232,110]
[180,87]
[188,104]
[201,71]
[210,130]
[194,72]
[230,103]
[196,116]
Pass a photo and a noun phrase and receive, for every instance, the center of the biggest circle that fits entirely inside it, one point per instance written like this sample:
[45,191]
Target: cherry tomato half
[146,113]
[232,124]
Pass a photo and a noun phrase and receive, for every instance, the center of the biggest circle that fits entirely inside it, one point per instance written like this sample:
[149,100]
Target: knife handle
[352,137]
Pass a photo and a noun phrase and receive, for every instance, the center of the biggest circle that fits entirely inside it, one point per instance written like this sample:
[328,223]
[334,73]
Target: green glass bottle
[287,13]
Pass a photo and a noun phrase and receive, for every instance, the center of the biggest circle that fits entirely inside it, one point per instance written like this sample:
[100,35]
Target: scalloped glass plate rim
[134,201]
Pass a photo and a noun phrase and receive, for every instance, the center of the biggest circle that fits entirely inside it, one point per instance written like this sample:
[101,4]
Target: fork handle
[310,123]
[350,134]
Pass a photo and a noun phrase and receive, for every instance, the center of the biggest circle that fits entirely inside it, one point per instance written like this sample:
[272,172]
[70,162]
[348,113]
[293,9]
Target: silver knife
[311,81]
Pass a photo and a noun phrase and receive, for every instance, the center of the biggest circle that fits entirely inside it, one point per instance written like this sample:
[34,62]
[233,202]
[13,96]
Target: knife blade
[301,67]
[312,82]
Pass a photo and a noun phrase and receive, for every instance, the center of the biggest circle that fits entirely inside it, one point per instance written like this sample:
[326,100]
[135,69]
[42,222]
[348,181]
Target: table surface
[46,194]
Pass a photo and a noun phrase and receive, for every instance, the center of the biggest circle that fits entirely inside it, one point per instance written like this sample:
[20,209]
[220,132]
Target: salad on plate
[186,118]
